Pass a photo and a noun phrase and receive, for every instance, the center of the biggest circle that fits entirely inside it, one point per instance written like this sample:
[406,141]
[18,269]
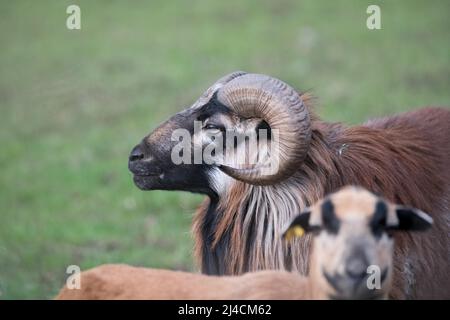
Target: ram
[237,229]
[351,259]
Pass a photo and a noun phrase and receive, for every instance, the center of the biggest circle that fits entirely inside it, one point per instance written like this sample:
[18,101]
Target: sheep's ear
[299,226]
[412,219]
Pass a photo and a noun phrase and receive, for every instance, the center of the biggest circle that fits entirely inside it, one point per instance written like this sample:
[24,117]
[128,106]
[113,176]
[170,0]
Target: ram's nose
[143,164]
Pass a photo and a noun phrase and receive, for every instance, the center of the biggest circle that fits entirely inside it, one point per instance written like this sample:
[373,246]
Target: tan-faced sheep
[351,237]
[405,158]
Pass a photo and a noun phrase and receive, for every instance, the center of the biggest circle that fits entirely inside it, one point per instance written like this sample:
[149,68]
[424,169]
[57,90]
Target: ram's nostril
[136,154]
[136,157]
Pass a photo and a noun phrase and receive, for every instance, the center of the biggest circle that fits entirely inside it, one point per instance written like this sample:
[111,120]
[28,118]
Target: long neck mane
[241,230]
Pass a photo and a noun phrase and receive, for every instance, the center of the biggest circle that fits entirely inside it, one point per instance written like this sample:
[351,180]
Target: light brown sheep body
[126,282]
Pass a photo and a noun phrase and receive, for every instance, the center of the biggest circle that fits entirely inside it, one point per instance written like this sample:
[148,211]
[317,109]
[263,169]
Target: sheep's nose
[136,154]
[356,269]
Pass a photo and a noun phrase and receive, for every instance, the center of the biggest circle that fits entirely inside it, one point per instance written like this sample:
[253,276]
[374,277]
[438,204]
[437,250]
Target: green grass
[73,104]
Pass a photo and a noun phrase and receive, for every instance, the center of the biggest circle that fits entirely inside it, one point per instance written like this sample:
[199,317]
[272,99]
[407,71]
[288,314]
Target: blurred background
[74,102]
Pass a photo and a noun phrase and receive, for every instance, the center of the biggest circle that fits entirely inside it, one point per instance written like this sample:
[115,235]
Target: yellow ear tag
[294,232]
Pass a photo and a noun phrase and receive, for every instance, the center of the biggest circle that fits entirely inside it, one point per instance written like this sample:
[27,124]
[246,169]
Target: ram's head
[213,139]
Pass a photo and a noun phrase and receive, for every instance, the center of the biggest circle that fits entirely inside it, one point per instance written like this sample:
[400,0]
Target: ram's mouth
[146,174]
[147,181]
[143,169]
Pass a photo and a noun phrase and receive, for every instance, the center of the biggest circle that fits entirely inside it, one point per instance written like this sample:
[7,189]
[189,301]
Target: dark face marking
[378,221]
[329,220]
[151,163]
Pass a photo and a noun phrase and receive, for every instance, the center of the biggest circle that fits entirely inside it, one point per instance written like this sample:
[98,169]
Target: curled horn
[270,99]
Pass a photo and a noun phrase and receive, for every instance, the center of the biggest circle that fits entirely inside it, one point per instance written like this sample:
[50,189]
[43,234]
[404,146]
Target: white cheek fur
[219,181]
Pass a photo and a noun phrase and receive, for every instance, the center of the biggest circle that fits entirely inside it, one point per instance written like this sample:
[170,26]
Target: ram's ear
[411,219]
[299,226]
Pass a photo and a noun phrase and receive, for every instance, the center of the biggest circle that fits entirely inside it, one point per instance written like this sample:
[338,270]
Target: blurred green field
[73,104]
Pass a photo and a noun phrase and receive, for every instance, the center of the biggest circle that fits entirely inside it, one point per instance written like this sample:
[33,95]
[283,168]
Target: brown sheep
[405,158]
[351,235]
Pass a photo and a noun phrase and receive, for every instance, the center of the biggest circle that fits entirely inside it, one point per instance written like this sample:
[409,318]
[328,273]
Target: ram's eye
[210,126]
